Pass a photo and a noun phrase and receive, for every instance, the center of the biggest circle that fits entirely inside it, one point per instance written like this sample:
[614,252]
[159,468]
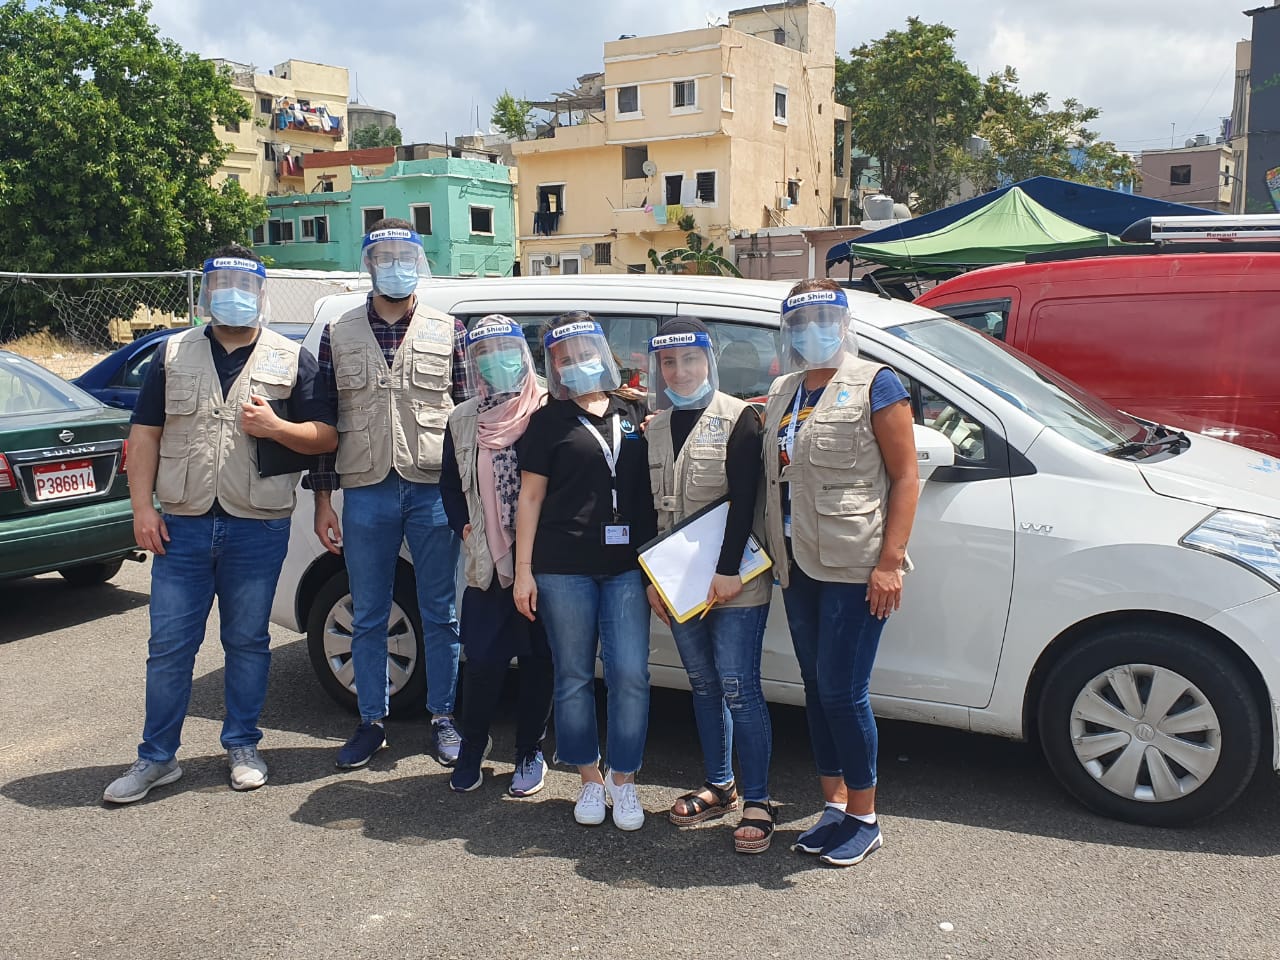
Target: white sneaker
[627,812]
[589,810]
[248,770]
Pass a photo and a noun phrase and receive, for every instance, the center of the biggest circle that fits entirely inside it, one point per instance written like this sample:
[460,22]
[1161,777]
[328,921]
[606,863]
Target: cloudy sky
[1146,64]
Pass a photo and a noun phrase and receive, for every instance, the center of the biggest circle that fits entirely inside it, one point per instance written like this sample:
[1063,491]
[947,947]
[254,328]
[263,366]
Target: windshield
[27,387]
[1055,401]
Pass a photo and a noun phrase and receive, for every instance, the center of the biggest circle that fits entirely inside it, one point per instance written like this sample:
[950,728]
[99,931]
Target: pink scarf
[498,427]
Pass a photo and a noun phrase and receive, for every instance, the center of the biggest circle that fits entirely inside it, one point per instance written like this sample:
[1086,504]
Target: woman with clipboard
[584,509]
[705,445]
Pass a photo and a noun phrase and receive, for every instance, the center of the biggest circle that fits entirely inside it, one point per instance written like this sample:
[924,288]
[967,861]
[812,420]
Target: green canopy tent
[1004,231]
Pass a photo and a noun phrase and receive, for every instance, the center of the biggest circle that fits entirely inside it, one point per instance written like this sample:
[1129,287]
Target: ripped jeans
[721,654]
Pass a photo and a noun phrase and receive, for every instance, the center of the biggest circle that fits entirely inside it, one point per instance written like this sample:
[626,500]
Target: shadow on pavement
[40,605]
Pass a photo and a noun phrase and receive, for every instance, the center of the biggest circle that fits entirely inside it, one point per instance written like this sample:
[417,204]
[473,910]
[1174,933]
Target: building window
[551,198]
[604,254]
[726,93]
[793,191]
[779,104]
[1180,173]
[482,220]
[635,268]
[279,231]
[326,187]
[371,216]
[570,265]
[837,212]
[264,104]
[839,148]
[232,127]
[259,234]
[674,187]
[420,216]
[233,177]
[633,161]
[684,95]
[268,151]
[308,226]
[706,186]
[628,100]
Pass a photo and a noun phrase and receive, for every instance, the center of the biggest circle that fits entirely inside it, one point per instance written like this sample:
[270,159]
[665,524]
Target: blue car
[116,379]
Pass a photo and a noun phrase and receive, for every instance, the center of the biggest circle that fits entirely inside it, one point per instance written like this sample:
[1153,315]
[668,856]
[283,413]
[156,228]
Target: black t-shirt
[578,504]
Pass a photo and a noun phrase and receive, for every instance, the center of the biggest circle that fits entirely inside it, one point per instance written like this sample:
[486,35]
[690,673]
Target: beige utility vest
[682,485]
[839,485]
[203,452]
[392,417]
[462,426]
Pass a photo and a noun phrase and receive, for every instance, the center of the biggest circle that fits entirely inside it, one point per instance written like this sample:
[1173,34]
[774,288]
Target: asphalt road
[983,856]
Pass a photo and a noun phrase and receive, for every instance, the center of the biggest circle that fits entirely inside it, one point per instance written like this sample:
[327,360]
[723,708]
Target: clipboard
[275,458]
[681,562]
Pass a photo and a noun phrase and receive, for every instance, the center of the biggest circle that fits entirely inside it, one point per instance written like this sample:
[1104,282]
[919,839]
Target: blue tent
[1107,211]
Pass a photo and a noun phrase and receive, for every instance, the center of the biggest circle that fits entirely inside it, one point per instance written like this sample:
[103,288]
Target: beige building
[732,126]
[1199,174]
[298,108]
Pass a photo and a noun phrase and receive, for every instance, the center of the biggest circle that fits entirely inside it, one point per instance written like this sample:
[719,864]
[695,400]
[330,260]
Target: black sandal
[759,844]
[700,809]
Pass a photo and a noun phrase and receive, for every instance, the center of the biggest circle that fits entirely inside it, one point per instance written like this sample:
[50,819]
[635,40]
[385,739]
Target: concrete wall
[1211,167]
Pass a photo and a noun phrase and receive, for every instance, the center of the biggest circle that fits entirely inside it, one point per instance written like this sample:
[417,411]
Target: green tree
[371,135]
[109,143]
[512,115]
[697,256]
[1028,138]
[913,103]
[392,137]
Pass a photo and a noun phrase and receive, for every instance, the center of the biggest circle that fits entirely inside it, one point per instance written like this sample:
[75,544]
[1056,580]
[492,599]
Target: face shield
[394,259]
[682,371]
[817,330]
[231,292]
[498,358]
[579,360]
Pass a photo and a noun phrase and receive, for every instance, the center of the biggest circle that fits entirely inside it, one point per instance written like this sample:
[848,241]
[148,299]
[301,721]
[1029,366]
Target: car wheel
[329,628]
[1150,726]
[91,574]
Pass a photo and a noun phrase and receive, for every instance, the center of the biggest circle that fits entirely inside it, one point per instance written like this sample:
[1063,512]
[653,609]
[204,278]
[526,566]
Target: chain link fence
[68,322]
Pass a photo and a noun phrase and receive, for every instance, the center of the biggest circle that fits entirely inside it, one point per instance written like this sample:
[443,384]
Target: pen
[706,609]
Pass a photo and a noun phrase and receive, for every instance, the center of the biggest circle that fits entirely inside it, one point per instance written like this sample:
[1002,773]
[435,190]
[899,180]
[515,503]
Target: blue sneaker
[446,741]
[467,775]
[852,842]
[530,775]
[815,838]
[368,739]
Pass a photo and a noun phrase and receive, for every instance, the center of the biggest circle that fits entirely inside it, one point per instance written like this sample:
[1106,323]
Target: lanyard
[789,440]
[610,456]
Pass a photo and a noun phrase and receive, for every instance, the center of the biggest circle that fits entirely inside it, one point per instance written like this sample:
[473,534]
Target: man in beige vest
[393,368]
[209,442]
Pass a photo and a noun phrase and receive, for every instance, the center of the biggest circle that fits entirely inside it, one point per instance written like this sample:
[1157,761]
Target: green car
[64,494]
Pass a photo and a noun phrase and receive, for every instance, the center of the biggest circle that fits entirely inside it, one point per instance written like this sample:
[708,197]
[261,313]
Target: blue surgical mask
[397,281]
[695,399]
[582,377]
[233,308]
[503,371]
[817,342]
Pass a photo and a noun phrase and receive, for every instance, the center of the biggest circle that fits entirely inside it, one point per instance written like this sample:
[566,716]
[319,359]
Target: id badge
[786,525]
[616,534]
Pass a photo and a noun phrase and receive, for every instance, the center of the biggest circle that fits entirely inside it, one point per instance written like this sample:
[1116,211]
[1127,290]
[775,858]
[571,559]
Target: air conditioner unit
[784,203]
[551,260]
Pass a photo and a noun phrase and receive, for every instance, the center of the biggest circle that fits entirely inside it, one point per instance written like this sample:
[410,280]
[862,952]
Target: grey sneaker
[248,769]
[529,776]
[136,782]
[446,741]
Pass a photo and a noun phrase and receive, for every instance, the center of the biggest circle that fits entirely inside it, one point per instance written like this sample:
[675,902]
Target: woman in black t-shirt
[584,508]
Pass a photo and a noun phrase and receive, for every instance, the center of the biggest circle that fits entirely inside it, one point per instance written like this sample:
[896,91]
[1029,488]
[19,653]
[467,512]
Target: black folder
[275,458]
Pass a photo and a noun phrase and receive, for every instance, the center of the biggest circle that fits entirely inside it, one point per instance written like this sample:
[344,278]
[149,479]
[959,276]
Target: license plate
[71,479]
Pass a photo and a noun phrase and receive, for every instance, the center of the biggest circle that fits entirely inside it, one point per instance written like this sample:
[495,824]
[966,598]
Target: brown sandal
[758,844]
[700,808]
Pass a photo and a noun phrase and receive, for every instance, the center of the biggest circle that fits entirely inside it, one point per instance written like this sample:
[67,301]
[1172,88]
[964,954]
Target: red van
[1190,339]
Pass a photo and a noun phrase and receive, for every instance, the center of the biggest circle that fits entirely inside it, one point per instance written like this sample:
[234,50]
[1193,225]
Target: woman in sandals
[584,509]
[705,445]
[840,500]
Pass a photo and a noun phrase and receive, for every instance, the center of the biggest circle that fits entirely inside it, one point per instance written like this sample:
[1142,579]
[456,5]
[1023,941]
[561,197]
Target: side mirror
[933,450]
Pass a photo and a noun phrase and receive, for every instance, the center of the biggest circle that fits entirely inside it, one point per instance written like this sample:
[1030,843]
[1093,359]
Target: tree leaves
[696,257]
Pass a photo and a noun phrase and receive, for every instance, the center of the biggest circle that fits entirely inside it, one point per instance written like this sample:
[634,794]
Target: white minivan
[1107,585]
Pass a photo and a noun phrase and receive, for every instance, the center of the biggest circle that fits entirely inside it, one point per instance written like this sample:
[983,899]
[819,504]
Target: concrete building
[1199,174]
[1255,117]
[463,208]
[298,108]
[361,115]
[731,127]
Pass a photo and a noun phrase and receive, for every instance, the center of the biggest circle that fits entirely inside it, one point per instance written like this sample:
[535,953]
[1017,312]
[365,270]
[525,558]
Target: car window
[746,358]
[931,409]
[134,370]
[987,316]
[26,387]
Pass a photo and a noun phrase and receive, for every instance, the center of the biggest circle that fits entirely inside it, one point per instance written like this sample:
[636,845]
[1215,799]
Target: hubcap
[1146,733]
[402,645]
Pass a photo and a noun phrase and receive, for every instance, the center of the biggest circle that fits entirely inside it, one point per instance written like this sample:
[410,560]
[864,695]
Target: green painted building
[463,208]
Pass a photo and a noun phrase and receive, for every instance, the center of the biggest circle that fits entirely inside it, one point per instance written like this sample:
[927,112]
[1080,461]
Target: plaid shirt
[389,337]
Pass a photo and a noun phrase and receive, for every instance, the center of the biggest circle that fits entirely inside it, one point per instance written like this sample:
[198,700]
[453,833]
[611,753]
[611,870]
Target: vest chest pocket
[181,393]
[832,444]
[850,527]
[270,386]
[704,476]
[432,365]
[355,449]
[350,373]
[431,423]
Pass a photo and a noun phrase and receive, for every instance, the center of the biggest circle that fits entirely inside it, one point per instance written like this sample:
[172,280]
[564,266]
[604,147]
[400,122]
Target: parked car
[1101,583]
[1184,336]
[64,495]
[117,378]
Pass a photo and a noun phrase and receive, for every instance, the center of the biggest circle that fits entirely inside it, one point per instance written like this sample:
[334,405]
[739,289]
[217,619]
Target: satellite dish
[649,168]
[586,251]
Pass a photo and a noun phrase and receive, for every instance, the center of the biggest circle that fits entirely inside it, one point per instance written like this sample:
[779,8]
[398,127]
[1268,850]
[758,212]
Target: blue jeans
[375,520]
[238,561]
[836,639]
[581,613]
[721,655]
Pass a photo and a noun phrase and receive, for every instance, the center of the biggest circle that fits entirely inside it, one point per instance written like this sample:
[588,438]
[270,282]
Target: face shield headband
[231,291]
[815,326]
[681,383]
[395,260]
[498,359]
